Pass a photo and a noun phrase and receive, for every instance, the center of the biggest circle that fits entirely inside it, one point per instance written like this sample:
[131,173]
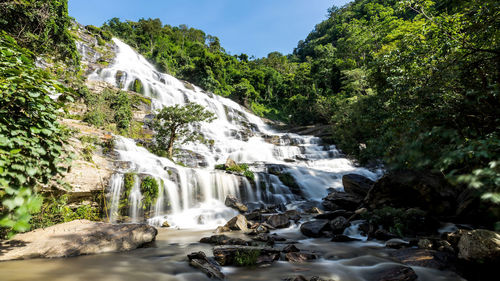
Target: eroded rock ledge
[80,237]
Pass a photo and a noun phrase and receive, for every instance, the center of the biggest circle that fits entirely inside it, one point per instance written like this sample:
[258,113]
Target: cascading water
[193,197]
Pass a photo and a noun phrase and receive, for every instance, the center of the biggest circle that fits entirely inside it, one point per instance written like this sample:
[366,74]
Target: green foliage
[246,258]
[41,26]
[123,112]
[31,140]
[149,191]
[109,107]
[55,209]
[242,169]
[174,124]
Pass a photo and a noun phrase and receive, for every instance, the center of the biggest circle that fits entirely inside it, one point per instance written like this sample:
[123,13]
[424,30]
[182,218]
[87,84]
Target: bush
[149,190]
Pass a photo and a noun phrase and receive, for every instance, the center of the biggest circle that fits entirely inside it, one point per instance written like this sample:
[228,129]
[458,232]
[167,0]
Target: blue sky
[254,27]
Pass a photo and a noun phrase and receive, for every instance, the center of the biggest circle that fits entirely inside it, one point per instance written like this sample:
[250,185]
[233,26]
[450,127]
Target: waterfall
[287,167]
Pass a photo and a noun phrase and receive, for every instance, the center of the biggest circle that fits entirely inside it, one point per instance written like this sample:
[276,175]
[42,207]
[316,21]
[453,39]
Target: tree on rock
[173,124]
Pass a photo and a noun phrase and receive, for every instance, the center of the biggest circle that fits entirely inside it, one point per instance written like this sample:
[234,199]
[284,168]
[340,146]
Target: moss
[246,258]
[149,190]
[288,180]
[242,169]
[137,86]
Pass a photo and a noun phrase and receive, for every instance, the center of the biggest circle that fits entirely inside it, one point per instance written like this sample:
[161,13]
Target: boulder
[480,246]
[278,221]
[298,257]
[357,184]
[407,189]
[209,267]
[233,202]
[314,210]
[394,273]
[224,240]
[238,223]
[334,214]
[293,215]
[295,278]
[245,255]
[396,243]
[258,229]
[269,239]
[342,238]
[314,228]
[230,163]
[222,229]
[425,258]
[290,248]
[341,200]
[338,225]
[79,237]
[382,234]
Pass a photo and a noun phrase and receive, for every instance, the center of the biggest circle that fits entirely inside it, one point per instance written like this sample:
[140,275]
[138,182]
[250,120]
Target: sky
[254,27]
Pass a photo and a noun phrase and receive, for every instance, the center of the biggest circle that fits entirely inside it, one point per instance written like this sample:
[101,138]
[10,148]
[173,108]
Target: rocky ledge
[80,237]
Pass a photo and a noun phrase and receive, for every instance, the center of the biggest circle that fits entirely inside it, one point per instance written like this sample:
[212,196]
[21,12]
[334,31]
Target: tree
[174,124]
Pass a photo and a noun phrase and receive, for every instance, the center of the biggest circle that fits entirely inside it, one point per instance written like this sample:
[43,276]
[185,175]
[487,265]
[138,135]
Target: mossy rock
[137,86]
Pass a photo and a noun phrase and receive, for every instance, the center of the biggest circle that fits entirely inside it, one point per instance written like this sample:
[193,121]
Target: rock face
[341,200]
[79,237]
[278,221]
[480,245]
[357,184]
[233,202]
[237,223]
[407,189]
[313,228]
[245,255]
[209,267]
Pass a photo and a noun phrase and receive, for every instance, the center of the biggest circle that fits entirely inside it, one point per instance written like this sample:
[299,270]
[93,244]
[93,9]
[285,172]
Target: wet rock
[293,215]
[395,273]
[298,257]
[270,239]
[238,223]
[165,224]
[222,229]
[316,278]
[258,229]
[200,261]
[295,278]
[278,221]
[334,214]
[314,210]
[396,243]
[290,248]
[342,238]
[230,163]
[357,184]
[341,200]
[314,228]
[233,202]
[245,255]
[382,234]
[338,225]
[223,240]
[425,258]
[254,216]
[480,246]
[407,189]
[79,237]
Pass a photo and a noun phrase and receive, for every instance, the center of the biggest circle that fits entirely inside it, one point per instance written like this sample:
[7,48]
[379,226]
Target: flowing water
[191,198]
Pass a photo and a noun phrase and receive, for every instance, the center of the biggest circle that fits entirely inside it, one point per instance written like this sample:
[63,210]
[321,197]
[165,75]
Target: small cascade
[287,167]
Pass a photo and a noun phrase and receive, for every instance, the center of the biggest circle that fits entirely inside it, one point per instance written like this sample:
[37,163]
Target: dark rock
[396,243]
[357,184]
[290,248]
[480,246]
[314,228]
[221,229]
[270,239]
[425,258]
[342,200]
[334,214]
[395,273]
[406,189]
[342,238]
[278,221]
[316,278]
[233,202]
[298,257]
[208,266]
[295,278]
[338,225]
[382,234]
[314,210]
[254,216]
[223,240]
[293,215]
[258,229]
[238,223]
[227,255]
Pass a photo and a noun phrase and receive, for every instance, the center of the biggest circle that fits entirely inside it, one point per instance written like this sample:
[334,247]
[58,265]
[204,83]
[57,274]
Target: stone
[341,200]
[230,163]
[295,278]
[314,210]
[334,214]
[258,229]
[314,228]
[480,246]
[316,278]
[227,255]
[224,240]
[299,257]
[290,248]
[338,225]
[200,261]
[79,237]
[425,258]
[382,234]
[278,221]
[394,273]
[425,244]
[165,224]
[293,215]
[357,184]
[396,243]
[238,223]
[254,216]
[222,229]
[343,238]
[233,202]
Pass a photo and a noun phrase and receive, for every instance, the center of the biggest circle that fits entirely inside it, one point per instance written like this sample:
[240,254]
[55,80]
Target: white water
[193,197]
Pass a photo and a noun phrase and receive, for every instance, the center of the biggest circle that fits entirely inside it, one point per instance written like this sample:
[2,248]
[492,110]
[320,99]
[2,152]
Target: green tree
[173,124]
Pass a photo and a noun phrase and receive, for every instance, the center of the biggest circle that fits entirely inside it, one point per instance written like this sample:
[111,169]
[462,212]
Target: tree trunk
[170,145]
